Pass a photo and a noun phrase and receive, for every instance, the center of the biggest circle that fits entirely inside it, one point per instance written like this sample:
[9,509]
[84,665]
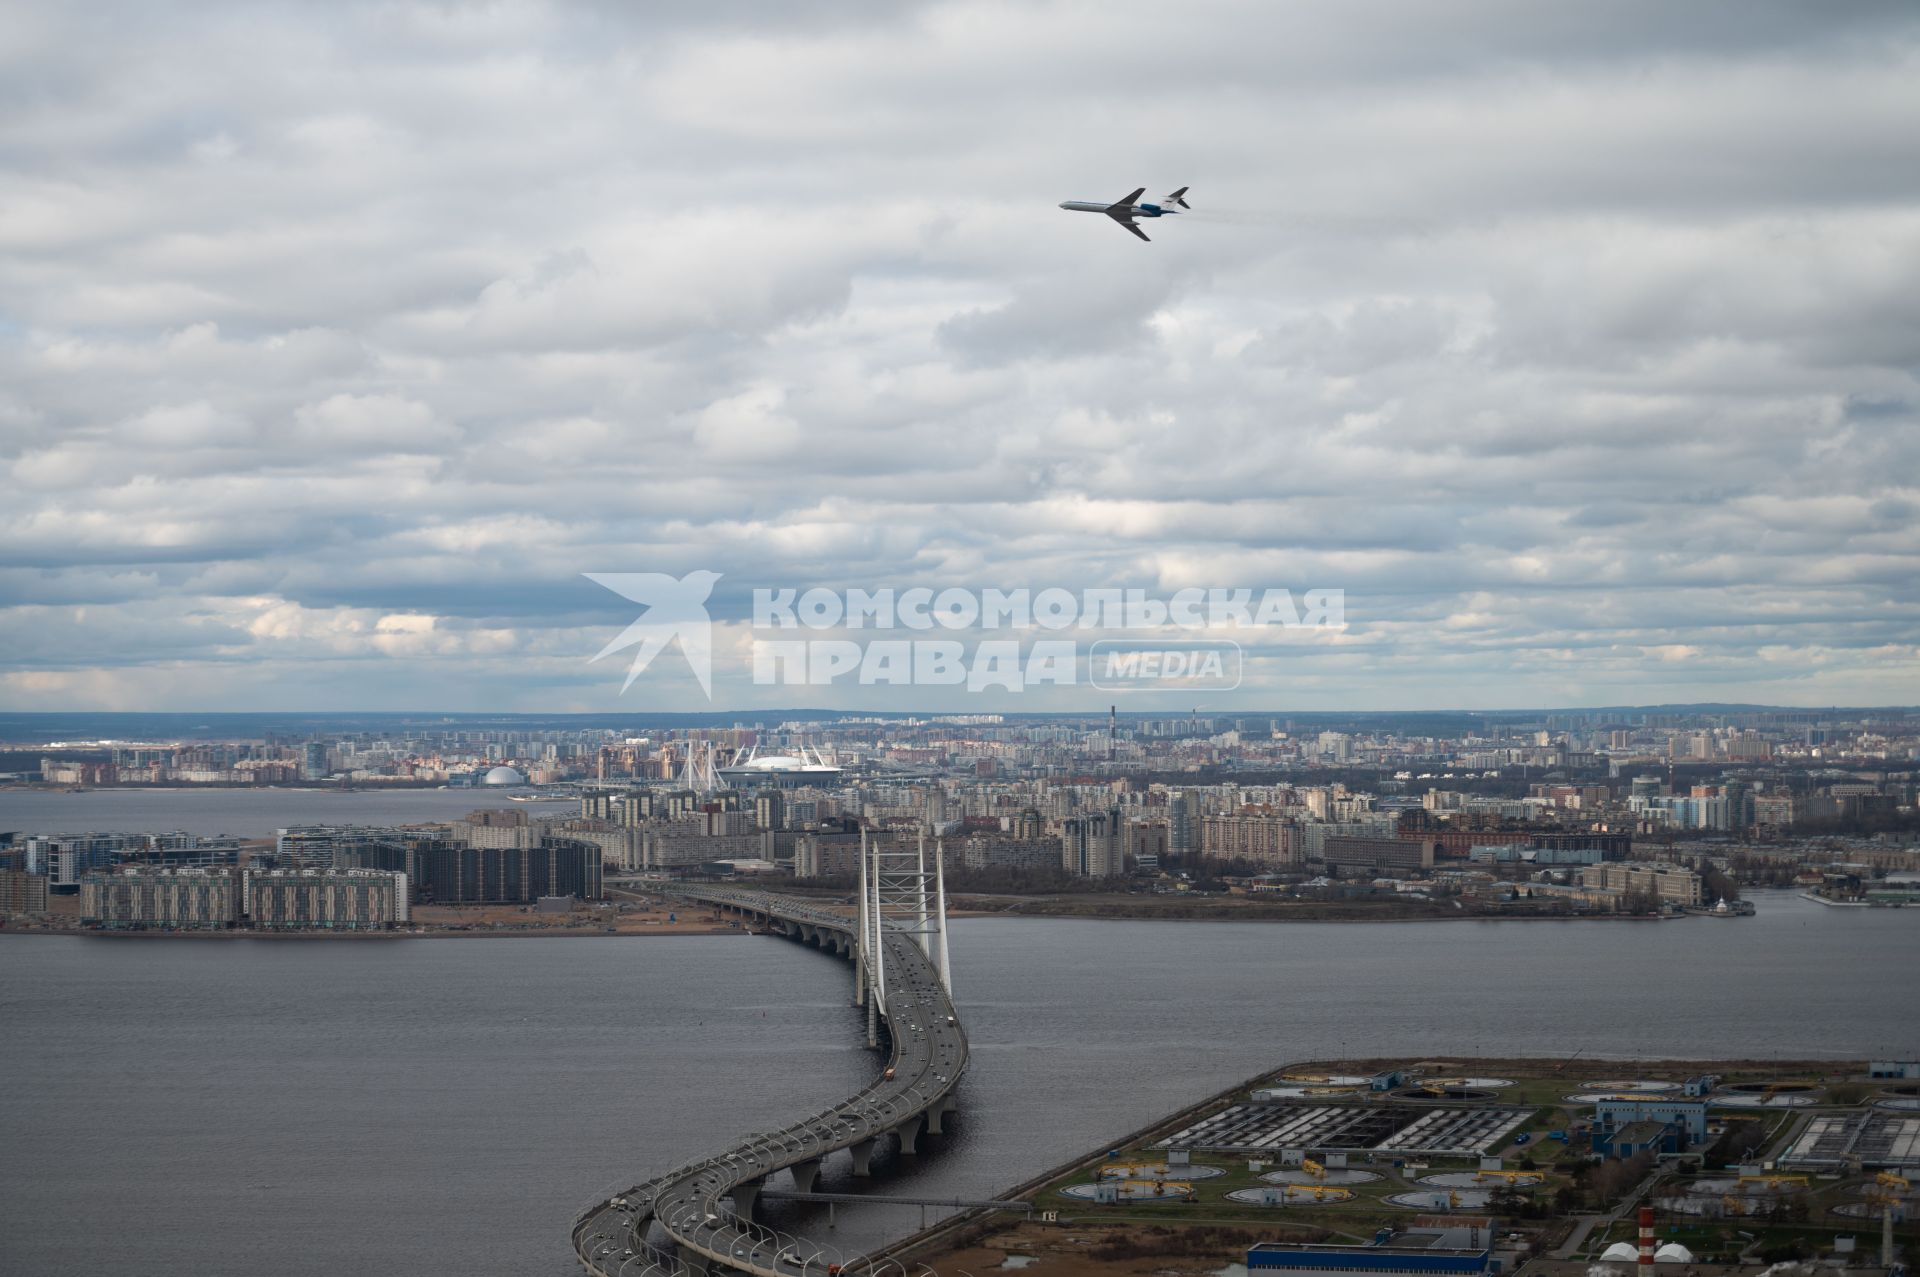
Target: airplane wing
[1128,201]
[1135,229]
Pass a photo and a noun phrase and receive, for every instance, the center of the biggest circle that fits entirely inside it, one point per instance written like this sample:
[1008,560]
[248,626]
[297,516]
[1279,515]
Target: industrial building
[1381,1128]
[1878,1139]
[1627,1124]
[1454,1246]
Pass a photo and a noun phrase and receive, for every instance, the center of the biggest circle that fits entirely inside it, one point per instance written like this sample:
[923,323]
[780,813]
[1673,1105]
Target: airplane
[1129,207]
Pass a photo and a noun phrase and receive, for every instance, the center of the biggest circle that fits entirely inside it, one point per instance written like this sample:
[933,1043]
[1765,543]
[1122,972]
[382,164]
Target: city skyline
[1574,351]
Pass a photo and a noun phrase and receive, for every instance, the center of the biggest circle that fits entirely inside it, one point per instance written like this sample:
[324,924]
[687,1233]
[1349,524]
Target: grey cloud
[1576,345]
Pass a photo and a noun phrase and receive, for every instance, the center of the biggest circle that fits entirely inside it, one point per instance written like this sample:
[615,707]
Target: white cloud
[1578,349]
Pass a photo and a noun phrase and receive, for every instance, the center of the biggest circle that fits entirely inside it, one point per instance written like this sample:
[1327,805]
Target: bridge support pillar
[862,1158]
[693,1261]
[805,1175]
[909,1133]
[936,1124]
[746,1195]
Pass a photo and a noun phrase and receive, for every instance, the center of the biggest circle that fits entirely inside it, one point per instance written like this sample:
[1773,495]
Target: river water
[178,1107]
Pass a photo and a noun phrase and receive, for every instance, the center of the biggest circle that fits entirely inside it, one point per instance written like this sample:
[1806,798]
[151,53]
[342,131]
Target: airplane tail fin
[1178,197]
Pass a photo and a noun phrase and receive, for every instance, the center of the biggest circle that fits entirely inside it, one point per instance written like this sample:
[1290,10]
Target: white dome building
[1673,1253]
[1626,1251]
[781,771]
[503,776]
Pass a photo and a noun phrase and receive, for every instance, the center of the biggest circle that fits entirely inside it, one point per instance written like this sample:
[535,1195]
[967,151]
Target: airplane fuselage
[1133,210]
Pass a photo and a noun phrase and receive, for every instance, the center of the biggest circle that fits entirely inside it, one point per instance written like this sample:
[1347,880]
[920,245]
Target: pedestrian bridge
[699,1218]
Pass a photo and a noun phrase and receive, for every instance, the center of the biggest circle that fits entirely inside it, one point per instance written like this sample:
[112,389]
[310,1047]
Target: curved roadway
[928,1055]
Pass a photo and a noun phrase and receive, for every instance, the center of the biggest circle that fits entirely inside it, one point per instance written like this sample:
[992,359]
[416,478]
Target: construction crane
[1900,1184]
[1510,1176]
[1313,1168]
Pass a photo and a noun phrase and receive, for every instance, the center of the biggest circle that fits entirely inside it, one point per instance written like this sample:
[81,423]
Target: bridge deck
[928,1055]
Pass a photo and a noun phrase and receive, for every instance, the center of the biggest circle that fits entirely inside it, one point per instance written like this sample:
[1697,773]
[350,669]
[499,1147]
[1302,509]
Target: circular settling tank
[1902,1211]
[1752,1188]
[1336,1175]
[1436,1093]
[1290,1195]
[1784,1100]
[1642,1086]
[1156,1170]
[1130,1190]
[1480,1179]
[1450,1199]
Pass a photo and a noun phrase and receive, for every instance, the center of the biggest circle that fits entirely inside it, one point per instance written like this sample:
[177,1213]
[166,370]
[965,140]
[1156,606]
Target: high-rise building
[179,899]
[1093,845]
[554,865]
[22,892]
[1180,831]
[770,809]
[1271,839]
[329,900]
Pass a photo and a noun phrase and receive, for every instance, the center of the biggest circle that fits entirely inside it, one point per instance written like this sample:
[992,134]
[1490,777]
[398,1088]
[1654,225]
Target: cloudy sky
[1577,344]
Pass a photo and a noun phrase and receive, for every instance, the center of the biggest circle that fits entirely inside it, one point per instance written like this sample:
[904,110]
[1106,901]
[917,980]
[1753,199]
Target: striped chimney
[1646,1241]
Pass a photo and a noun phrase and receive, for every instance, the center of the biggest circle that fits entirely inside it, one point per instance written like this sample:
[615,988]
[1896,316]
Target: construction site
[1672,1170]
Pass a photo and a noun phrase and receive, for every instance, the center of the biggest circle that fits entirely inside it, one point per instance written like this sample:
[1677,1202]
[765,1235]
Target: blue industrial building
[1628,1125]
[1381,1260]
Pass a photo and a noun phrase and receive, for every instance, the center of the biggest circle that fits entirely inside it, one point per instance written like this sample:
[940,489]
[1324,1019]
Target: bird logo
[676,609]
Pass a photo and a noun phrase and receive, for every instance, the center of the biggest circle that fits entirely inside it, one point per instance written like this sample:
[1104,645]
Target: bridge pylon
[899,895]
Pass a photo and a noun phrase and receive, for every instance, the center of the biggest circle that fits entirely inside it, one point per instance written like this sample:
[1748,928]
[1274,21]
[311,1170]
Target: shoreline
[241,933]
[582,933]
[1223,916]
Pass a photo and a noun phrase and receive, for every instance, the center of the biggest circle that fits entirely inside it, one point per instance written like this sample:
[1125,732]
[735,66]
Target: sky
[1576,345]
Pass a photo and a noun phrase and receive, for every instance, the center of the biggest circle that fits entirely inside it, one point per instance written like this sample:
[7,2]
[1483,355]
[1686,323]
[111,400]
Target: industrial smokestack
[1113,728]
[1646,1241]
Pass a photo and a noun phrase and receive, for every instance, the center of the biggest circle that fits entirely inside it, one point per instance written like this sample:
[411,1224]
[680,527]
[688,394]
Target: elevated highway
[699,1218]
